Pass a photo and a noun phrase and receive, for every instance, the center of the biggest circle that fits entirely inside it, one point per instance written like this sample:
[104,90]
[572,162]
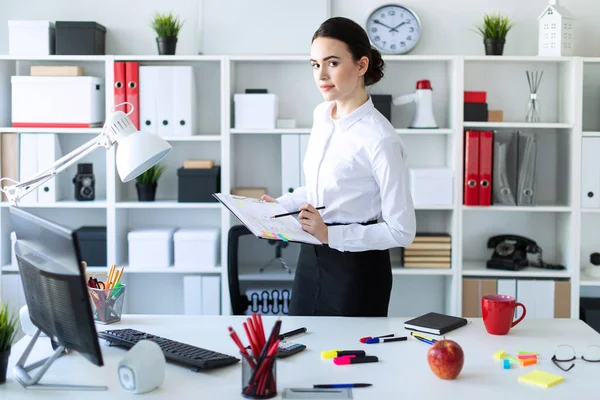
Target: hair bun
[376,65]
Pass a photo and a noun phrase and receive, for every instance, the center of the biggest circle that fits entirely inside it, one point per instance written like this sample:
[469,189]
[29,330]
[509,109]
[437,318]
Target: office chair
[275,300]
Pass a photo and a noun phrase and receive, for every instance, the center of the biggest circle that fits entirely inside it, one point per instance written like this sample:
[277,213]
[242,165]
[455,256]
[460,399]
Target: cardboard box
[253,192]
[55,70]
[495,116]
[187,164]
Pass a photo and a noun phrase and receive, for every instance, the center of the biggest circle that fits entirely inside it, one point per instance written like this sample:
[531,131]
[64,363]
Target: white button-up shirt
[355,167]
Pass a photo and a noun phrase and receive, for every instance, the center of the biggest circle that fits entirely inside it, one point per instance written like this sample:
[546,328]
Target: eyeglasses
[566,353]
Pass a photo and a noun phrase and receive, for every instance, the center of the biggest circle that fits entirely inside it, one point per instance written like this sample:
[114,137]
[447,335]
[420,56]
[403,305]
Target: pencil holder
[259,378]
[107,304]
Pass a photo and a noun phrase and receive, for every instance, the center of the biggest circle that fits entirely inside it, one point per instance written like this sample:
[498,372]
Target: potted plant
[494,30]
[8,331]
[167,28]
[146,182]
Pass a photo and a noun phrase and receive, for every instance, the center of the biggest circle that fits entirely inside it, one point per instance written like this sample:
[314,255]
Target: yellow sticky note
[499,354]
[541,378]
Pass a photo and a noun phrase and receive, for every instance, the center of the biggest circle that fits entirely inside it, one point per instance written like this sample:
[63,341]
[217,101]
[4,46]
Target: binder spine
[471,182]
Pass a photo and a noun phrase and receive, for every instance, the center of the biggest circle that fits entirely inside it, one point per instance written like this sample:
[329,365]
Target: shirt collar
[346,122]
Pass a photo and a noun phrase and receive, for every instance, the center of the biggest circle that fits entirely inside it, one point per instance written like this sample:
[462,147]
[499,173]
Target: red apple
[445,358]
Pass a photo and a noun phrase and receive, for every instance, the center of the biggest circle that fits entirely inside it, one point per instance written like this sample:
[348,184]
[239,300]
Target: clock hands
[397,26]
[389,27]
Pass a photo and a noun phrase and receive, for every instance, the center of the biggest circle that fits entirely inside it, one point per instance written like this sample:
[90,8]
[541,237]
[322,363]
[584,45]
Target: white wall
[286,27]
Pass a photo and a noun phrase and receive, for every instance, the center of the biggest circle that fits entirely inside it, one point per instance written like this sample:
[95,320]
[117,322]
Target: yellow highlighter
[340,353]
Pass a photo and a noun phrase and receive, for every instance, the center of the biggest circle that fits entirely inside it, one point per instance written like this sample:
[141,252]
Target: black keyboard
[195,357]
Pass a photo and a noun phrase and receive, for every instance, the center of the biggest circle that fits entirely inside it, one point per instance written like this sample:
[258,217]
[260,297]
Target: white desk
[401,372]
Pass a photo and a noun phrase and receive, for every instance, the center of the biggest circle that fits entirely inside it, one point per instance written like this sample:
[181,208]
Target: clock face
[393,29]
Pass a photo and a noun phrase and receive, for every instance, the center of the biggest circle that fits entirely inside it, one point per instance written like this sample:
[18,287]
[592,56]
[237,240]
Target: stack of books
[429,250]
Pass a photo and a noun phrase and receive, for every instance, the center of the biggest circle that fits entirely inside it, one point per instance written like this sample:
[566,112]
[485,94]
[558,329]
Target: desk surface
[401,372]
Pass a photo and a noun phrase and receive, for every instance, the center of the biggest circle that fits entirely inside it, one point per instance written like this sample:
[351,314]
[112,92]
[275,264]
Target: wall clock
[393,29]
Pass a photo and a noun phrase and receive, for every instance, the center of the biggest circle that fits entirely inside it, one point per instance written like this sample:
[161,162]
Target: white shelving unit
[566,232]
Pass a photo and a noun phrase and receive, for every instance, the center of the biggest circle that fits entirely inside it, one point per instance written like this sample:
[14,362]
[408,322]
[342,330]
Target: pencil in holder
[107,304]
[259,377]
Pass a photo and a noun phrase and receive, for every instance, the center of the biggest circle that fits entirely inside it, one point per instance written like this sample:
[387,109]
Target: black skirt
[329,282]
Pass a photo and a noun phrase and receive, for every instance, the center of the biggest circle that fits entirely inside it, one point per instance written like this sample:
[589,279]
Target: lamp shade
[139,151]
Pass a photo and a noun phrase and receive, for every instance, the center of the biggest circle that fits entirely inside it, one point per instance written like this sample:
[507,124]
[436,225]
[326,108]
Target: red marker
[364,339]
[354,360]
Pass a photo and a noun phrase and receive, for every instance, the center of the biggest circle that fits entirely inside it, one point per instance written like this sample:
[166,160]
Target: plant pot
[3,365]
[494,47]
[166,45]
[146,191]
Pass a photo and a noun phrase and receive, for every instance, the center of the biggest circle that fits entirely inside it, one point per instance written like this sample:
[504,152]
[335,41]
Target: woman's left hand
[312,222]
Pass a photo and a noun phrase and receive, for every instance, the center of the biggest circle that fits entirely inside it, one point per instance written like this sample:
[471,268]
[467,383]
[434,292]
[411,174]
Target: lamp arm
[19,189]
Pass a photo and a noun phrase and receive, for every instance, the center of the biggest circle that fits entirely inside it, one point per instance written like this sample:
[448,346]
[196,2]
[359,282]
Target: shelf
[478,268]
[291,57]
[424,131]
[169,58]
[518,125]
[586,280]
[168,270]
[495,59]
[590,210]
[53,58]
[166,204]
[518,208]
[194,138]
[434,207]
[63,204]
[397,270]
[87,131]
[590,134]
[295,131]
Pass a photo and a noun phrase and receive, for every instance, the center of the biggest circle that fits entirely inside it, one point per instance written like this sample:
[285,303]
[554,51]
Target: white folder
[590,172]
[28,163]
[183,93]
[303,146]
[192,295]
[48,152]
[211,295]
[290,162]
[527,294]
[148,92]
[164,105]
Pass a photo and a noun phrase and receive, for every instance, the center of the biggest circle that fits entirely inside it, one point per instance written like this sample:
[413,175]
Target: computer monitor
[56,294]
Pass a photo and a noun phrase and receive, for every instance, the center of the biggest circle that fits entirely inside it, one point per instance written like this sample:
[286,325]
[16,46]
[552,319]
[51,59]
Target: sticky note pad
[541,378]
[528,361]
[499,354]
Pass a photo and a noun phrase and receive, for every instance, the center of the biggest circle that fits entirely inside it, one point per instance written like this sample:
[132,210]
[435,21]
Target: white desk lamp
[136,152]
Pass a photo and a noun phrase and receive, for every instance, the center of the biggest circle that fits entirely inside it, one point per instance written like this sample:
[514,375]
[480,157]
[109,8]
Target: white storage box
[196,248]
[57,101]
[255,110]
[151,247]
[30,38]
[431,186]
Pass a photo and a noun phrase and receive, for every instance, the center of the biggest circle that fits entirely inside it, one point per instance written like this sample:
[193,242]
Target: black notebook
[435,323]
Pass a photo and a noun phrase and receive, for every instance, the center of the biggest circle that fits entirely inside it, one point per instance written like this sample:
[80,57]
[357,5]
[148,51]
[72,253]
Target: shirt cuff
[335,237]
[286,202]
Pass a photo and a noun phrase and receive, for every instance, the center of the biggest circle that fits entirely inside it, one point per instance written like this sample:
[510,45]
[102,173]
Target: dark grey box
[90,242]
[589,312]
[198,184]
[80,38]
[476,112]
[383,104]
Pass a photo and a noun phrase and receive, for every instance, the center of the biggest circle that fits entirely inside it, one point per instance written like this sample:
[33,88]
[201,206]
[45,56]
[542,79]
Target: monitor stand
[21,372]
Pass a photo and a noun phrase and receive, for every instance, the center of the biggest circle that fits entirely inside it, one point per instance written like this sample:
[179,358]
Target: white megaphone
[422,96]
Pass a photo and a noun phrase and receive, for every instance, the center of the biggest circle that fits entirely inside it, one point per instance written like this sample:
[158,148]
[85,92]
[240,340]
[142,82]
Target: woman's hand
[312,222]
[267,198]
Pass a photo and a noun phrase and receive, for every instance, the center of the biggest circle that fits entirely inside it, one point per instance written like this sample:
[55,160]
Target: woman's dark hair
[358,44]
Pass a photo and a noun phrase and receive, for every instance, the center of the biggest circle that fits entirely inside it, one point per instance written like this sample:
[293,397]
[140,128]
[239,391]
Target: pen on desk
[294,213]
[342,385]
[418,335]
[385,340]
[420,339]
[292,333]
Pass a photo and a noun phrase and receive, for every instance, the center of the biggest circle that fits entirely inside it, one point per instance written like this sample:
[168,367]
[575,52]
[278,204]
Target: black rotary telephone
[510,253]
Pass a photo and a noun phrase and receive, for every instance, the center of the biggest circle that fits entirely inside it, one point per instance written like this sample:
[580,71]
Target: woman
[354,166]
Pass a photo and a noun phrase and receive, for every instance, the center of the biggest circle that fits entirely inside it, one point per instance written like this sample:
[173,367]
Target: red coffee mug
[498,311]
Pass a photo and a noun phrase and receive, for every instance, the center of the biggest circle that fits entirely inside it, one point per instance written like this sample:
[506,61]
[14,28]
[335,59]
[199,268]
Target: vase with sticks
[533,79]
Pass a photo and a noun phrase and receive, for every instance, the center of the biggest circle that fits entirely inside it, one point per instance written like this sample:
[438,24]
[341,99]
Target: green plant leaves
[8,327]
[495,26]
[151,175]
[166,25]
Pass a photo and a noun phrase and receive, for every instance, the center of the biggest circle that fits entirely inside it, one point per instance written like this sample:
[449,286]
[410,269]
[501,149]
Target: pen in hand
[294,212]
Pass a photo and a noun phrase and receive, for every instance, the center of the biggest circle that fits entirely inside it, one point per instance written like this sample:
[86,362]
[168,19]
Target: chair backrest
[239,302]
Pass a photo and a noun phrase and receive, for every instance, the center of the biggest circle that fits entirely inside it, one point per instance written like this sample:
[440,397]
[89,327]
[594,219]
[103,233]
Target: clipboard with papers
[257,215]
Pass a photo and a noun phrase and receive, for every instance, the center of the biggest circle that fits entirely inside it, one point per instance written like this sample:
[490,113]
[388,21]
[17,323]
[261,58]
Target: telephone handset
[510,253]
